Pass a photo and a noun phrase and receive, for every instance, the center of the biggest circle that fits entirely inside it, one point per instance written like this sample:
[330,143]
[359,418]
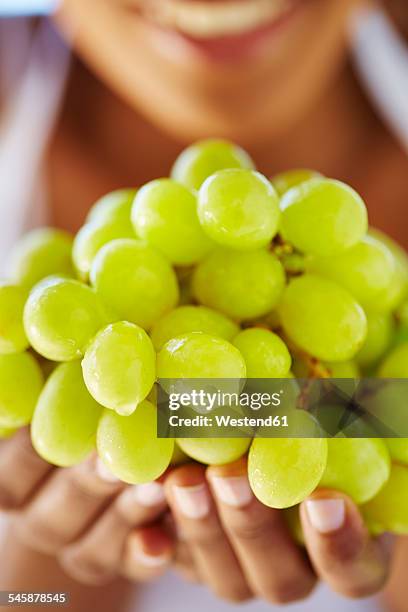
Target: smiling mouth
[204,20]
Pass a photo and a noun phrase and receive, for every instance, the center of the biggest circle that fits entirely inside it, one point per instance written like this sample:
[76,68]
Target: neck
[331,138]
[131,150]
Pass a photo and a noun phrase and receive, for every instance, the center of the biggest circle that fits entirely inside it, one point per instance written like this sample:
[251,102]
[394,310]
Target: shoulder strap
[381,59]
[27,121]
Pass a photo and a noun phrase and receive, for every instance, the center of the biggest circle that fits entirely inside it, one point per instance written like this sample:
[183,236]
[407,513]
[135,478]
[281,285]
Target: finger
[274,565]
[95,557]
[148,554]
[196,517]
[62,509]
[185,564]
[183,561]
[21,470]
[340,547]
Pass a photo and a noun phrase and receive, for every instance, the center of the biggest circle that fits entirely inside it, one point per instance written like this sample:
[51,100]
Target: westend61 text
[226,421]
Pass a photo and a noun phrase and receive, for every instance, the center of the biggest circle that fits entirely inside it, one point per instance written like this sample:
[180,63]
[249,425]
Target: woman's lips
[218,30]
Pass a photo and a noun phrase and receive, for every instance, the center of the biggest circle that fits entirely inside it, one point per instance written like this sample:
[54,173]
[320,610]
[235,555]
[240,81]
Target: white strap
[381,58]
[26,7]
[25,130]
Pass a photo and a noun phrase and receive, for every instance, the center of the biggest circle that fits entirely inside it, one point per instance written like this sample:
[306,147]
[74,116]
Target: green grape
[323,217]
[92,237]
[119,367]
[284,471]
[214,451]
[347,375]
[292,520]
[342,369]
[196,163]
[241,285]
[396,363]
[294,263]
[21,381]
[12,335]
[129,446]
[398,449]
[239,209]
[401,325]
[300,423]
[402,314]
[365,270]
[178,457]
[7,432]
[63,429]
[164,214]
[39,254]
[185,319]
[292,178]
[380,332]
[399,290]
[358,467]
[400,336]
[322,318]
[135,281]
[61,316]
[198,355]
[113,207]
[387,403]
[388,511]
[265,354]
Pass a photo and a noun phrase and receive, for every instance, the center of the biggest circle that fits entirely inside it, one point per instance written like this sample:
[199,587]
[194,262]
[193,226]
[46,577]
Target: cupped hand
[218,533]
[96,526]
[243,549]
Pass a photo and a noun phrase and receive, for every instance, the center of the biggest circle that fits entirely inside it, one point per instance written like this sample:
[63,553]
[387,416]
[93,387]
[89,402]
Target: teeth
[211,20]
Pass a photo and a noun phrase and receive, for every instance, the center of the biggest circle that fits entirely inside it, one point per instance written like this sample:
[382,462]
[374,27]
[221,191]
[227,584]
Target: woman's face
[244,69]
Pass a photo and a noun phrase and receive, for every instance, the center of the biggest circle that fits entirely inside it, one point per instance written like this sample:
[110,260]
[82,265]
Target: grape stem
[291,259]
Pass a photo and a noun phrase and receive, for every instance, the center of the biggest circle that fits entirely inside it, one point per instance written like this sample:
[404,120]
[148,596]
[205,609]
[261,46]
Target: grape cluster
[215,272]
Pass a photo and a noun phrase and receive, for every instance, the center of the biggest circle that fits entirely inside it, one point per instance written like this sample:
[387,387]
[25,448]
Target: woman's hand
[98,527]
[242,549]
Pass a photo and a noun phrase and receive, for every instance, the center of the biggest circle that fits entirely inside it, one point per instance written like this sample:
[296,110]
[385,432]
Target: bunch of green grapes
[215,272]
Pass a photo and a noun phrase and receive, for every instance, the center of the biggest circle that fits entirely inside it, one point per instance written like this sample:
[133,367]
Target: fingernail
[149,494]
[233,491]
[104,473]
[193,502]
[326,515]
[147,560]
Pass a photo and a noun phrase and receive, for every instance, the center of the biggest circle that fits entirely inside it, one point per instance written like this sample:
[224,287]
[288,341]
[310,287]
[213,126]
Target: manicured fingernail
[150,494]
[233,491]
[326,515]
[193,502]
[147,560]
[104,473]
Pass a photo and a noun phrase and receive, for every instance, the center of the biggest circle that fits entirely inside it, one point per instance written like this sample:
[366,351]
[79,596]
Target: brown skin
[249,101]
[126,117]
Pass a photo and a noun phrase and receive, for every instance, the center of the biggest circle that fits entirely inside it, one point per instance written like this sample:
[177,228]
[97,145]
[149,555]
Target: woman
[273,76]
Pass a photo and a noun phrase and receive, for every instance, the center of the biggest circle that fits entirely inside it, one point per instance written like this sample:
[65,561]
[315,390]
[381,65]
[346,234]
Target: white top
[34,89]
